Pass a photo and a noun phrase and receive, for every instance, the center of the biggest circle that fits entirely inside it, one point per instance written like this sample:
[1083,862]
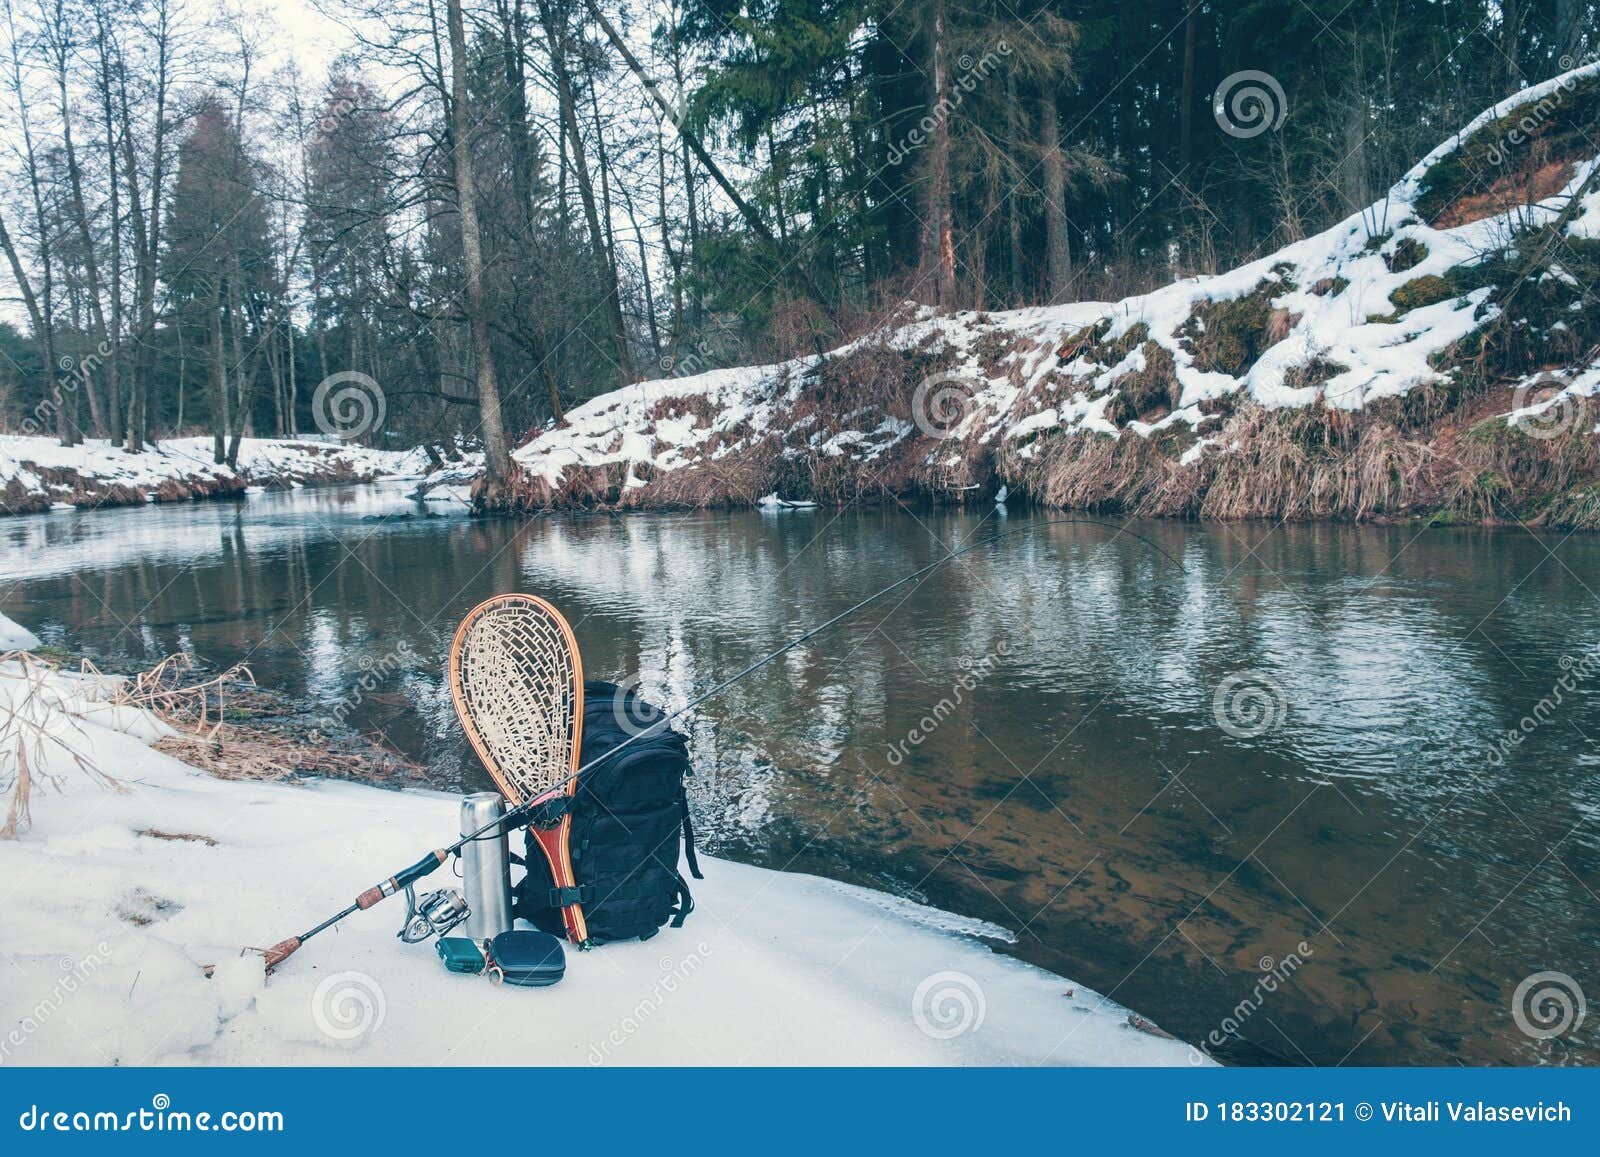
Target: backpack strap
[566,897]
[685,900]
[688,848]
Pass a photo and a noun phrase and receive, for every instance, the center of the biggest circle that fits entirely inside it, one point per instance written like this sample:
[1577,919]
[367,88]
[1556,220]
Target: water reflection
[1081,794]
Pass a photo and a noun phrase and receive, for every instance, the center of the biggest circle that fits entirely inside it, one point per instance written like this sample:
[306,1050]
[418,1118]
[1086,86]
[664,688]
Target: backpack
[628,816]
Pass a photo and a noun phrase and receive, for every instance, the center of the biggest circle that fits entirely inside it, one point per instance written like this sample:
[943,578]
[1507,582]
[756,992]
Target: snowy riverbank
[1433,354]
[116,896]
[38,474]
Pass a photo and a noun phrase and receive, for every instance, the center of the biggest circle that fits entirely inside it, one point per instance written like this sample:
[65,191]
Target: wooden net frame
[516,679]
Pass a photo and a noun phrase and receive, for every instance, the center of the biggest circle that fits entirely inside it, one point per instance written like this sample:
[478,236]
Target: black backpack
[628,816]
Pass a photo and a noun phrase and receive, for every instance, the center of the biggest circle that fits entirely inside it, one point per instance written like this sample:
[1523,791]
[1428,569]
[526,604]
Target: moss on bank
[1521,157]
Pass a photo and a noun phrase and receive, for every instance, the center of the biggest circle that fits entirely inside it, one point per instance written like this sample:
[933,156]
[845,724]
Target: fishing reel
[434,915]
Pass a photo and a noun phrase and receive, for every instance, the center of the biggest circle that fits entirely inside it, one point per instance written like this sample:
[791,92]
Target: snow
[262,461]
[14,637]
[773,502]
[107,928]
[1333,297]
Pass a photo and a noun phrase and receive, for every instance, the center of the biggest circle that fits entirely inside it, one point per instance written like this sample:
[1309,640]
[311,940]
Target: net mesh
[517,679]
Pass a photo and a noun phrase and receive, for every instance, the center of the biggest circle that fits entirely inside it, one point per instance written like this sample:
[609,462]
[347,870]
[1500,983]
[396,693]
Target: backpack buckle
[551,812]
[566,897]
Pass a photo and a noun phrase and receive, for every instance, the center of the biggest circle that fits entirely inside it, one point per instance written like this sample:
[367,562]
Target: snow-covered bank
[15,637]
[1372,370]
[114,900]
[39,473]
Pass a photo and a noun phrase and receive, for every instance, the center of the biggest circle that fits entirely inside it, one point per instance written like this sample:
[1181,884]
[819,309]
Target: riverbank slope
[38,474]
[1434,355]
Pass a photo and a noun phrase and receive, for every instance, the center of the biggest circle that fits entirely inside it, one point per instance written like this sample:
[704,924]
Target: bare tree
[496,454]
[40,303]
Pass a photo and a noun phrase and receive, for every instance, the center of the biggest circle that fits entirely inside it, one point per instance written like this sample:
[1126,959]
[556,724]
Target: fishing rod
[524,812]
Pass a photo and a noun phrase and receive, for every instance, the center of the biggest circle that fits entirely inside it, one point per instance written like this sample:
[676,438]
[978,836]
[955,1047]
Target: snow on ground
[15,637]
[36,467]
[112,902]
[1346,343]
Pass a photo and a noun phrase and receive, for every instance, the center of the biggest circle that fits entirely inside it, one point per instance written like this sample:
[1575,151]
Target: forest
[489,211]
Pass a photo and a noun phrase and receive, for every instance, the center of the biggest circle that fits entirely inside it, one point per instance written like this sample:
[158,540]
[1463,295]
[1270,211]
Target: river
[1258,790]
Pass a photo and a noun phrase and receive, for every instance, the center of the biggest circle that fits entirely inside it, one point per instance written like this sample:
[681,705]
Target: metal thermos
[485,868]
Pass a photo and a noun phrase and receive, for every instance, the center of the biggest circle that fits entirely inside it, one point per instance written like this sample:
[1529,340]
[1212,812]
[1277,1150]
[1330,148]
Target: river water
[1258,790]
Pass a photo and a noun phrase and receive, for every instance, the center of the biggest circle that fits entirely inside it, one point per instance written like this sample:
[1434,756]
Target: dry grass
[677,407]
[199,708]
[173,694]
[1314,463]
[1095,472]
[30,734]
[1296,464]
[15,498]
[738,480]
[177,837]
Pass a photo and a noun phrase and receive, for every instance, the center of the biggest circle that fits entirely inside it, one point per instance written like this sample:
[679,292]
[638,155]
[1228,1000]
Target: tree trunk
[693,143]
[1058,251]
[1191,35]
[690,187]
[938,236]
[41,326]
[113,183]
[1510,45]
[80,216]
[496,455]
[220,416]
[1014,193]
[605,272]
[42,314]
[294,383]
[146,226]
[674,259]
[183,371]
[644,272]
